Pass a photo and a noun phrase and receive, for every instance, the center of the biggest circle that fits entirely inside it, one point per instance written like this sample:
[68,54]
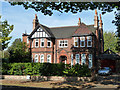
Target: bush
[44,69]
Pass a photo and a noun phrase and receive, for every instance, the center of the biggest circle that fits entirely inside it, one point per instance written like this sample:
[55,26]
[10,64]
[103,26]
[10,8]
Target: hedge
[44,69]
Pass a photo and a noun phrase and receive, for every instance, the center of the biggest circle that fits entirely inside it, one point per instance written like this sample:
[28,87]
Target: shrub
[44,69]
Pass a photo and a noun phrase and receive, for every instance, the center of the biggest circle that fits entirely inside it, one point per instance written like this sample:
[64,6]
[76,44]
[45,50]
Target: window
[82,41]
[42,42]
[89,41]
[83,59]
[27,41]
[90,60]
[42,58]
[75,41]
[36,58]
[49,58]
[48,43]
[36,43]
[71,59]
[63,43]
[77,58]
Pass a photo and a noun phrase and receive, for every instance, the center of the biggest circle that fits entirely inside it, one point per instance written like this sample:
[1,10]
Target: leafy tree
[117,23]
[19,52]
[6,29]
[110,41]
[48,7]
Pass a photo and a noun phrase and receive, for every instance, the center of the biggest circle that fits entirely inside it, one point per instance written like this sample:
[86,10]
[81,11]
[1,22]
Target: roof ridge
[63,27]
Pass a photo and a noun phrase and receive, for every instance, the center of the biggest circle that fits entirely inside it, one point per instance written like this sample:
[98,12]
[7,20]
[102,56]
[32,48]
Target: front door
[63,59]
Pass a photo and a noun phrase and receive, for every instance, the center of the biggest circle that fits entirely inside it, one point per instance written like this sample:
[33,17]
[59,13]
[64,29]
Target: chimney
[35,21]
[79,22]
[95,20]
[100,23]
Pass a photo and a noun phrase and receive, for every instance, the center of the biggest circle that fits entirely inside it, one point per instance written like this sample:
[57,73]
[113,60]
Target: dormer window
[82,41]
[48,43]
[75,41]
[36,43]
[89,41]
[42,42]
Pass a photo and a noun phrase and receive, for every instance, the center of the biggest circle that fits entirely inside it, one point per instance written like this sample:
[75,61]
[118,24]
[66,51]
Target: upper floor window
[42,42]
[82,41]
[36,58]
[49,58]
[77,57]
[42,58]
[36,43]
[89,41]
[90,60]
[63,43]
[83,59]
[75,41]
[48,43]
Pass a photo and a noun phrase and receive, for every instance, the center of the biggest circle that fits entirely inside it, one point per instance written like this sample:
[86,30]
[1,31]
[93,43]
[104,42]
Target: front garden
[45,69]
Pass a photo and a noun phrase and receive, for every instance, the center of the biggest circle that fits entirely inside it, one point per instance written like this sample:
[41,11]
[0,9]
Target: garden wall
[46,78]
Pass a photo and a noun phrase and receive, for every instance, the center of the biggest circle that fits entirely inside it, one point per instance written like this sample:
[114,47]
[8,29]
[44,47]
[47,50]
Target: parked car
[104,71]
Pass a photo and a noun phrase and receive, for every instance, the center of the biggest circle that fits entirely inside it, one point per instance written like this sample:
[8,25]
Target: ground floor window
[71,59]
[90,60]
[36,58]
[83,59]
[77,58]
[49,58]
[42,58]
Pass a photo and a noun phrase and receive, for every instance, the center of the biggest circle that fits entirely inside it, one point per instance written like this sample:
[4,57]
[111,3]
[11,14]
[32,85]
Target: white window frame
[42,40]
[77,58]
[83,59]
[89,40]
[36,58]
[82,41]
[75,41]
[47,43]
[36,40]
[49,59]
[63,43]
[42,61]
[90,59]
[71,59]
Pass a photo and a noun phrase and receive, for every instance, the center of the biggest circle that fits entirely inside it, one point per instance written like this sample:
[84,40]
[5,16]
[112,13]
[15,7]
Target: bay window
[49,58]
[89,41]
[75,41]
[90,60]
[82,41]
[42,58]
[83,59]
[42,42]
[36,43]
[77,58]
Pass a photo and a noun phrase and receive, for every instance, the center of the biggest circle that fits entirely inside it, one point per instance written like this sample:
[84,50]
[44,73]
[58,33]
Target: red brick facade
[63,54]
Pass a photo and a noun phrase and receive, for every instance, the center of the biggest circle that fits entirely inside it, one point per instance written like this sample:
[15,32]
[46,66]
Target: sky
[22,19]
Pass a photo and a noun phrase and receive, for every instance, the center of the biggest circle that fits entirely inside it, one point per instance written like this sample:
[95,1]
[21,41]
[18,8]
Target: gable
[39,33]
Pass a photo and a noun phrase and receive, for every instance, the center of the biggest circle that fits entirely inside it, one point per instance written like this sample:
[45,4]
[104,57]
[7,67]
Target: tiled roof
[67,31]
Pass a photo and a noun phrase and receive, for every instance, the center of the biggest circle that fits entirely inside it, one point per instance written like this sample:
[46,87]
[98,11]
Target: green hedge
[44,69]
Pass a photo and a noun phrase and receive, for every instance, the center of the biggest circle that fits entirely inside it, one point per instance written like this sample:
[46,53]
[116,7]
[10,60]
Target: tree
[110,41]
[48,7]
[117,23]
[6,29]
[19,52]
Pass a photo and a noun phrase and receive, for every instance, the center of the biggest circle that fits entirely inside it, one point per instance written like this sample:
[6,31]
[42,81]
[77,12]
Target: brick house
[69,44]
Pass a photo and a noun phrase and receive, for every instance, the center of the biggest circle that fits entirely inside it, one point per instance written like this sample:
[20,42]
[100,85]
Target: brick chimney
[101,31]
[79,22]
[35,21]
[96,20]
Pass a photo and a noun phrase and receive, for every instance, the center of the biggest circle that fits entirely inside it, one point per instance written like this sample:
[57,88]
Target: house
[78,44]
